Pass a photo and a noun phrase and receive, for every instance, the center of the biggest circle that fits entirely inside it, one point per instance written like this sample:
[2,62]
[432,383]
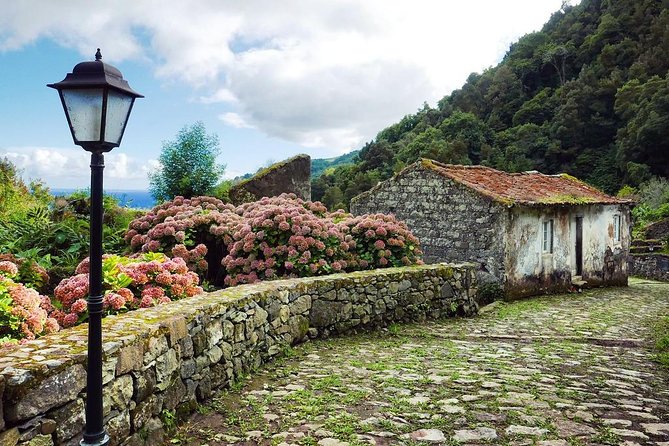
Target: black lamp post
[97,102]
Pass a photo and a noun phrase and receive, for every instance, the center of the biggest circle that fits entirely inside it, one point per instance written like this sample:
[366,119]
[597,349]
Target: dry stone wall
[166,359]
[650,266]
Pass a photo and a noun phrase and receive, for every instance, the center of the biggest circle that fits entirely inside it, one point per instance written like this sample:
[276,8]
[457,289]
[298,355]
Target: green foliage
[653,204]
[53,232]
[188,165]
[661,333]
[587,95]
[17,199]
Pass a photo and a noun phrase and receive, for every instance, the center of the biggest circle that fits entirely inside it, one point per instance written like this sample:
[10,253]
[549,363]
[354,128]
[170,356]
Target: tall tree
[187,165]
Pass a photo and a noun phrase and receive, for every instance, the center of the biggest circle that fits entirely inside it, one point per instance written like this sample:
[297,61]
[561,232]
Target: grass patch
[661,336]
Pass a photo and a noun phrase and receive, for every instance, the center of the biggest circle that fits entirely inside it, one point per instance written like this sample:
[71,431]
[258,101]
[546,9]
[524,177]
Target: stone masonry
[473,235]
[290,176]
[650,266]
[165,359]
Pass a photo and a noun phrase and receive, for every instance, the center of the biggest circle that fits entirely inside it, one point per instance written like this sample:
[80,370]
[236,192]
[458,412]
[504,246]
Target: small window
[616,228]
[547,245]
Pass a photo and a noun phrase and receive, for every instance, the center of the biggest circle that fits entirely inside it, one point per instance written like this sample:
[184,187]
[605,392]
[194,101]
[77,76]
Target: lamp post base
[104,441]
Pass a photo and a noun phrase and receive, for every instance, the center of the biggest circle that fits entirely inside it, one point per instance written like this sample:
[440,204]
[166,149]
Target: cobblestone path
[562,370]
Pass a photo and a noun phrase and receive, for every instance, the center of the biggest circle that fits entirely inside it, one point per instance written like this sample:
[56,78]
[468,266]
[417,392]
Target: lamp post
[97,103]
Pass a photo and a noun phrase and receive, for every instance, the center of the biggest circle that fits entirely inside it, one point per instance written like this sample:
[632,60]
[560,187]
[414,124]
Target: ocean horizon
[135,199]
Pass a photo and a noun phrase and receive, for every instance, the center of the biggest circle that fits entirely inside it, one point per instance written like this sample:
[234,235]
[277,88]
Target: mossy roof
[526,188]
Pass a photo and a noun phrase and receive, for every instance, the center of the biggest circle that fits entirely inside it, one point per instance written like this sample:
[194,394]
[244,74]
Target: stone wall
[165,359]
[290,176]
[452,222]
[658,230]
[650,266]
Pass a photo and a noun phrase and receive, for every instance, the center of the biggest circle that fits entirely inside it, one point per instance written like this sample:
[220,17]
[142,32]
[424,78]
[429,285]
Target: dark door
[579,246]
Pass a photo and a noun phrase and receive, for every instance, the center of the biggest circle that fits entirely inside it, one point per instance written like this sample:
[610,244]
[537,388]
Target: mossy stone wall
[653,266]
[170,357]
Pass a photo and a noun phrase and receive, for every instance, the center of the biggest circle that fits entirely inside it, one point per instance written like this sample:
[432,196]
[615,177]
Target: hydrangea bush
[381,241]
[274,237]
[23,311]
[144,281]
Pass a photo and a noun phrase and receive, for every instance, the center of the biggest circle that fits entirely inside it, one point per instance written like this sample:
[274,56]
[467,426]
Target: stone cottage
[531,233]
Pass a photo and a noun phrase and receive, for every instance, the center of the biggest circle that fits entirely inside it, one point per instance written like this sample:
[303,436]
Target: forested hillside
[587,95]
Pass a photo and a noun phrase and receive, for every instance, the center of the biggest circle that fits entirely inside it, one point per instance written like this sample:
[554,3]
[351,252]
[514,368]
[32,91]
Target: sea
[136,199]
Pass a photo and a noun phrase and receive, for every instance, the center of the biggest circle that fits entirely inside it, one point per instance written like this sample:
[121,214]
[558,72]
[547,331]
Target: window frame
[617,228]
[548,236]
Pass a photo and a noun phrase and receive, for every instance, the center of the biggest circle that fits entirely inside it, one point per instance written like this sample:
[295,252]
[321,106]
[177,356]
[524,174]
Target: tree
[187,165]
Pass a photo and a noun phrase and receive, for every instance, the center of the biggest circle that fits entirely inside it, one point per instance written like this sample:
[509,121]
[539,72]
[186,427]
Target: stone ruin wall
[170,357]
[290,176]
[453,223]
[649,266]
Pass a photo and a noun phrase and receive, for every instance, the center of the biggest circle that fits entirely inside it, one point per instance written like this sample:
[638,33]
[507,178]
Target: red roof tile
[527,188]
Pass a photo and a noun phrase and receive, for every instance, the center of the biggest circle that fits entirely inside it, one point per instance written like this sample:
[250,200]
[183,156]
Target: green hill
[587,95]
[320,165]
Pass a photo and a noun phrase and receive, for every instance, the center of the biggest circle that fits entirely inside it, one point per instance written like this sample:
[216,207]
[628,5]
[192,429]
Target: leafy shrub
[274,237]
[56,234]
[128,283]
[282,237]
[23,311]
[381,241]
[29,273]
[182,228]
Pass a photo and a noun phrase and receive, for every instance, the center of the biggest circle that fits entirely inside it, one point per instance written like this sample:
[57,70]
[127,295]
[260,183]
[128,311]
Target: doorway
[579,246]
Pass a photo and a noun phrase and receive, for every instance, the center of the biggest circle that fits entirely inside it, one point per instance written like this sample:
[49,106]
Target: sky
[271,78]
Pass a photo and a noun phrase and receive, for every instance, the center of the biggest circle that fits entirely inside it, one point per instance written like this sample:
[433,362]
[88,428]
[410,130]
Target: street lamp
[97,102]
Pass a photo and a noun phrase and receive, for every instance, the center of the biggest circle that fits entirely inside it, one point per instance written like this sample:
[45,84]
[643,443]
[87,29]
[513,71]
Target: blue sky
[271,79]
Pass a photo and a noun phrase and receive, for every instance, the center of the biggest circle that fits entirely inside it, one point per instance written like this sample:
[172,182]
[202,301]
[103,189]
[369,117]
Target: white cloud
[234,120]
[319,73]
[62,167]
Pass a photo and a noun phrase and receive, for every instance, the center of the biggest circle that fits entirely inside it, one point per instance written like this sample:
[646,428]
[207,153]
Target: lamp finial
[98,55]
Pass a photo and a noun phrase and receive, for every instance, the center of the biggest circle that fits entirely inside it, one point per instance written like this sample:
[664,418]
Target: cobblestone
[562,370]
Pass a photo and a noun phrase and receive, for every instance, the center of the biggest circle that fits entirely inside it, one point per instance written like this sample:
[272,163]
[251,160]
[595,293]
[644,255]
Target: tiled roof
[527,188]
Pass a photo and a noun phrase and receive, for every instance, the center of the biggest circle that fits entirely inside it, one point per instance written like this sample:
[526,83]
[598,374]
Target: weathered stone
[289,176]
[69,420]
[567,428]
[204,388]
[52,391]
[9,437]
[130,358]
[628,433]
[166,365]
[332,442]
[428,435]
[214,333]
[47,426]
[41,440]
[173,395]
[144,411]
[119,426]
[656,428]
[326,313]
[214,354]
[299,326]
[301,305]
[478,434]
[186,347]
[144,384]
[156,347]
[525,430]
[176,329]
[117,395]
[260,316]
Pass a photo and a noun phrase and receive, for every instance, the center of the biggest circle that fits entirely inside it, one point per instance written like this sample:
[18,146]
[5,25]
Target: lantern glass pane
[118,109]
[84,108]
